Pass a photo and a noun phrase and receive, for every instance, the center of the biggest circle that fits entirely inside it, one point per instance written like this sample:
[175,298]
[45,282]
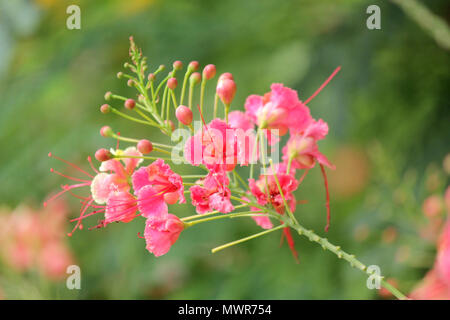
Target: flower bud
[130,82]
[151,77]
[193,66]
[177,65]
[226,90]
[106,131]
[195,78]
[119,75]
[105,108]
[172,83]
[184,115]
[103,155]
[209,71]
[108,96]
[130,104]
[144,146]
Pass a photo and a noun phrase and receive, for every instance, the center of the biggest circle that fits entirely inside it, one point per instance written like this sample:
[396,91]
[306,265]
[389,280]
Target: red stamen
[82,212]
[291,243]
[139,235]
[92,165]
[323,85]
[65,188]
[328,197]
[66,176]
[302,177]
[69,163]
[87,215]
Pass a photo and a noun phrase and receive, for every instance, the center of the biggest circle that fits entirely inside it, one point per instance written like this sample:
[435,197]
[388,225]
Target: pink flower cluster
[31,239]
[120,189]
[123,189]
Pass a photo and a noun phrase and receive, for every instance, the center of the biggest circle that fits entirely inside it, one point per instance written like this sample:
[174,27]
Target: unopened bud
[209,71]
[226,90]
[119,75]
[130,82]
[193,66]
[108,96]
[103,155]
[178,65]
[172,83]
[151,77]
[106,131]
[144,146]
[105,108]
[130,104]
[184,115]
[195,78]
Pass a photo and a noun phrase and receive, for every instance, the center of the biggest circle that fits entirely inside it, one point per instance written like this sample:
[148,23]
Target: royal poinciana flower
[212,193]
[161,233]
[155,186]
[34,240]
[266,190]
[278,109]
[115,174]
[301,149]
[215,146]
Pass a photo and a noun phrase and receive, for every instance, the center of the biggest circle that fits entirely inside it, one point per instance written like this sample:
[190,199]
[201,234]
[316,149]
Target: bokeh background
[388,112]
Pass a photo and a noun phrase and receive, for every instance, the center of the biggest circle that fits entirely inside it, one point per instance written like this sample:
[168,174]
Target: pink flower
[442,265]
[245,136]
[54,259]
[431,288]
[161,233]
[103,185]
[302,147]
[212,193]
[118,178]
[263,221]
[279,109]
[120,206]
[156,185]
[240,120]
[268,193]
[215,146]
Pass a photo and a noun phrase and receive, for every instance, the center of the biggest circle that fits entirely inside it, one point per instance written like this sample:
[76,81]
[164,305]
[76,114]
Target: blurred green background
[388,112]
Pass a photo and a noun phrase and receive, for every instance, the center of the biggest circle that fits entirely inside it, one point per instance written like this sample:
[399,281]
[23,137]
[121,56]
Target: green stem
[326,245]
[256,235]
[350,258]
[123,115]
[208,214]
[226,216]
